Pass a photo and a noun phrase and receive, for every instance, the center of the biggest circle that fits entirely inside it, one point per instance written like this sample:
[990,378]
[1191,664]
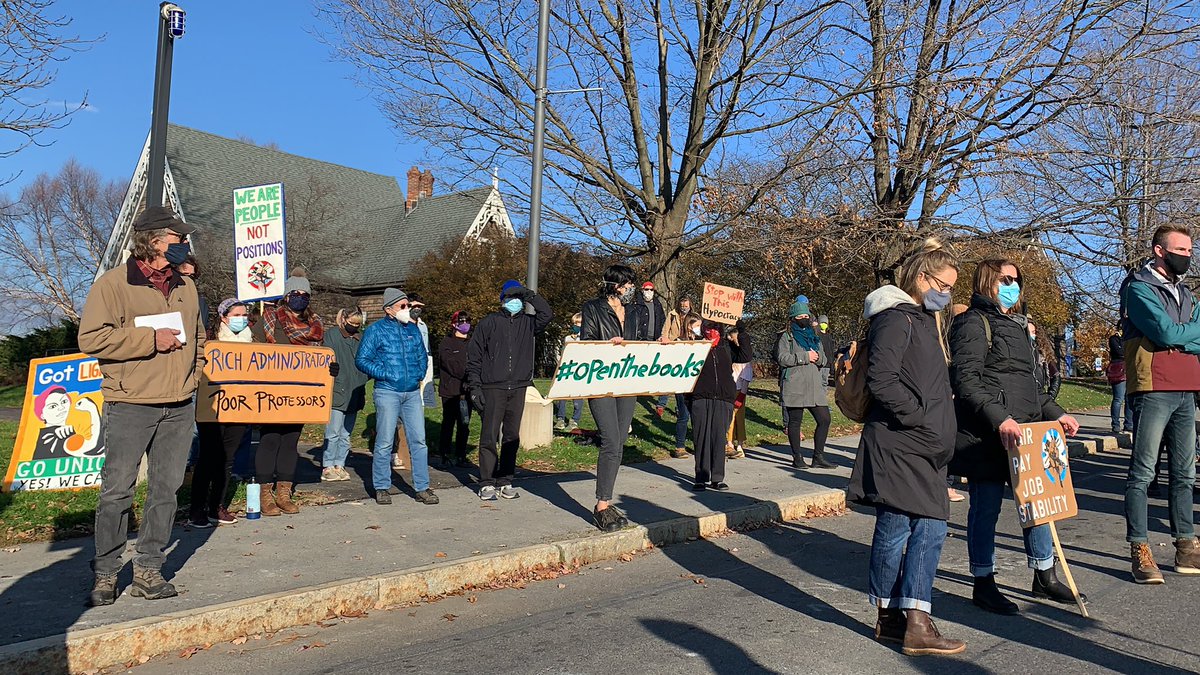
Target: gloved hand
[521,293]
[476,397]
[334,368]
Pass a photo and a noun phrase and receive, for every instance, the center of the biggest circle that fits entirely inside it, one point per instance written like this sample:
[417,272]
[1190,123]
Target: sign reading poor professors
[1041,475]
[265,384]
[61,441]
[259,242]
[601,369]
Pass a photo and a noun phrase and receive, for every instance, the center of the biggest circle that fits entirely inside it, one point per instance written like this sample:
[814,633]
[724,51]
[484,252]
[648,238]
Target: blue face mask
[177,252]
[575,330]
[238,324]
[1009,295]
[514,305]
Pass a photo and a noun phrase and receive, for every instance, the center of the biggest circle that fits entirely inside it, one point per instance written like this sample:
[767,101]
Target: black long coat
[991,385]
[908,437]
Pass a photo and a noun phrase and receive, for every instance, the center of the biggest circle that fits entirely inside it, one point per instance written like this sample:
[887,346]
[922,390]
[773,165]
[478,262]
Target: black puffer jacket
[502,347]
[600,322]
[991,385]
[908,437]
[716,377]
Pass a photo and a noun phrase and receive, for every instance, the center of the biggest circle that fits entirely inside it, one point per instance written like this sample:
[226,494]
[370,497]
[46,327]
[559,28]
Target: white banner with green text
[602,369]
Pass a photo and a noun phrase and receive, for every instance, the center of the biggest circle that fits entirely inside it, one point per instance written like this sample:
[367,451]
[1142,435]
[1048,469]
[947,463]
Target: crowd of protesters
[949,388]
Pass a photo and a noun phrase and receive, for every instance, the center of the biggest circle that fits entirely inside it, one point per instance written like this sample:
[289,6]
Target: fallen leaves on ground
[353,613]
[240,640]
[626,557]
[371,527]
[439,554]
[315,645]
[449,617]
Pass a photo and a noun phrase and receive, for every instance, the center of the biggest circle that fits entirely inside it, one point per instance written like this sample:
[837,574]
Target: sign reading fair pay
[259,242]
[1041,475]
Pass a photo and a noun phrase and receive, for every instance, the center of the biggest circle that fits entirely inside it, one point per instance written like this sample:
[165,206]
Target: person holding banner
[711,407]
[996,390]
[393,354]
[293,322]
[906,443]
[219,442]
[142,322]
[614,317]
[561,422]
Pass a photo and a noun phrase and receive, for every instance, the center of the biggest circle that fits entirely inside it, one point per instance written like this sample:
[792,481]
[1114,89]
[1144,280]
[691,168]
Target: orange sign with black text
[265,384]
[1041,475]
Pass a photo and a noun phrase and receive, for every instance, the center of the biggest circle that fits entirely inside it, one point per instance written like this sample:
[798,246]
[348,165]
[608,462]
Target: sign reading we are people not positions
[722,303]
[265,384]
[602,369]
[1041,475]
[259,242]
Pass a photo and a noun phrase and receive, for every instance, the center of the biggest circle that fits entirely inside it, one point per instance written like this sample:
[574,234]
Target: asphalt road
[784,599]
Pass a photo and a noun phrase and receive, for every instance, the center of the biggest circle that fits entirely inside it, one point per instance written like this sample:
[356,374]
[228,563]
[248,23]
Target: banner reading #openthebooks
[602,369]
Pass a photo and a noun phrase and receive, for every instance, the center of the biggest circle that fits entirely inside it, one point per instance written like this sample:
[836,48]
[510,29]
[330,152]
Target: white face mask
[696,331]
[403,315]
[648,295]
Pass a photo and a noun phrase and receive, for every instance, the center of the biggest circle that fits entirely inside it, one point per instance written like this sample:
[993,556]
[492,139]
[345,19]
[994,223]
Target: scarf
[806,337]
[298,331]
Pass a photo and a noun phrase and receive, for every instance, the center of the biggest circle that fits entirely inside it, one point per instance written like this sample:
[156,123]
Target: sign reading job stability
[602,369]
[259,242]
[265,384]
[722,304]
[1041,475]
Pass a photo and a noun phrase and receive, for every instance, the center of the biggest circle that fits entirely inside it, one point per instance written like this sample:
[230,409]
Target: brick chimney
[414,188]
[427,184]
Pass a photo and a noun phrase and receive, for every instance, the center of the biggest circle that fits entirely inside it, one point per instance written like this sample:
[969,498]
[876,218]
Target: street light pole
[170,27]
[539,139]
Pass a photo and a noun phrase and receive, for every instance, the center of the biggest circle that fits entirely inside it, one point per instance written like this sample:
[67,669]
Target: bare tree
[32,42]
[51,241]
[675,91]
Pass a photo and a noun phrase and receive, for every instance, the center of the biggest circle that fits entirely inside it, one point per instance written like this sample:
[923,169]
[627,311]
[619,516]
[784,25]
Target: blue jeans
[1169,416]
[904,558]
[392,407]
[662,401]
[986,500]
[682,416]
[337,438]
[560,409]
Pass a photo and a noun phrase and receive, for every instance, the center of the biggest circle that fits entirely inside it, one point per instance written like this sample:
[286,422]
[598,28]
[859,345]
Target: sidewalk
[351,557]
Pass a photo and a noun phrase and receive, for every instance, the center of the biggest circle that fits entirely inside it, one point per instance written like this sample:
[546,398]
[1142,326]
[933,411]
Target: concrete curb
[96,648]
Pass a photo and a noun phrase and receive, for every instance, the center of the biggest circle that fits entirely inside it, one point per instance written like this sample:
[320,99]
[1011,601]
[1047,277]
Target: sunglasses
[1008,280]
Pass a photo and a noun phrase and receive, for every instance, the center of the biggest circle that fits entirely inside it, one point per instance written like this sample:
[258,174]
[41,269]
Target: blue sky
[243,68]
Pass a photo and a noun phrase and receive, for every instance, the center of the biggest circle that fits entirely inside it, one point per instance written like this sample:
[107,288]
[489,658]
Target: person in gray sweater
[801,357]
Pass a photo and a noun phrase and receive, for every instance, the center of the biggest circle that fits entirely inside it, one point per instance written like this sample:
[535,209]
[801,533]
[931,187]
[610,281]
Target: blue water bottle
[253,503]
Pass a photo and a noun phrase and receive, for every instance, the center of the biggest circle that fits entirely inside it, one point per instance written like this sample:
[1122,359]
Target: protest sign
[722,303]
[601,369]
[259,242]
[1041,475]
[61,439]
[247,383]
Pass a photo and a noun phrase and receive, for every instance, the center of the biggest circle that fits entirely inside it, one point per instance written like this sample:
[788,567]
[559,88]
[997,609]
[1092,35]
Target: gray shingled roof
[207,168]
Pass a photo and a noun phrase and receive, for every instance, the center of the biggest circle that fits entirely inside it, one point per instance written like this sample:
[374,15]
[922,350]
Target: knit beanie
[798,308]
[508,286]
[393,295]
[297,281]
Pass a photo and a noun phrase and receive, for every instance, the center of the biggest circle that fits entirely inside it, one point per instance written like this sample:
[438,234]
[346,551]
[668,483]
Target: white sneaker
[509,492]
[397,463]
[574,425]
[330,474]
[487,493]
[342,473]
[560,425]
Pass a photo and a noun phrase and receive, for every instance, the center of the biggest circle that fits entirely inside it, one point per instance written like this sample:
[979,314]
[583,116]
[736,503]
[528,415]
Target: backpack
[850,391]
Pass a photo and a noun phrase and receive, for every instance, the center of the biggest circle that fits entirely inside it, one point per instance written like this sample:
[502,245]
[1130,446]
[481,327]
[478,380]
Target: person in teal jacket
[393,354]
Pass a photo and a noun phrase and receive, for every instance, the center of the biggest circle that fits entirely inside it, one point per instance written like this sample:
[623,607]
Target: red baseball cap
[648,284]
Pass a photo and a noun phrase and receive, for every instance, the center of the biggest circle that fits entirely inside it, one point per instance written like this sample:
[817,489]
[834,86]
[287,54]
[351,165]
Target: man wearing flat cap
[150,375]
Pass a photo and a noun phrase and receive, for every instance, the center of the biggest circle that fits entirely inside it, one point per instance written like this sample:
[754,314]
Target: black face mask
[351,328]
[1176,263]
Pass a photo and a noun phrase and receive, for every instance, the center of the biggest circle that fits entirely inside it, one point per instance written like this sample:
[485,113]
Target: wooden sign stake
[1067,572]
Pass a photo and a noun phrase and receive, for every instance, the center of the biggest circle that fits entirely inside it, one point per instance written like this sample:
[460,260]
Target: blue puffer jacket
[394,355]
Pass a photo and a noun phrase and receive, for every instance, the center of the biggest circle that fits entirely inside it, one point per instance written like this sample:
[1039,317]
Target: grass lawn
[12,396]
[37,516]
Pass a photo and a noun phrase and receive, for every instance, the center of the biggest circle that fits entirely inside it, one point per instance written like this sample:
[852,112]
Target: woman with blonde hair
[906,444]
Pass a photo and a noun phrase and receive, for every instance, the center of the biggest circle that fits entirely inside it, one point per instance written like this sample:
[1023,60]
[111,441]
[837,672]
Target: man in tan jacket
[150,374]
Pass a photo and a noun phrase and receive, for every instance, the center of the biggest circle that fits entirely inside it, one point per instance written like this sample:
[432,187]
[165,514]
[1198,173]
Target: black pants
[613,417]
[502,412]
[219,444]
[710,422]
[276,457]
[456,417]
[796,417]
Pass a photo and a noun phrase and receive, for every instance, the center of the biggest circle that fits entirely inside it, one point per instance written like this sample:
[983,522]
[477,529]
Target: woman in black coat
[616,318]
[452,374]
[996,390]
[711,407]
[905,446]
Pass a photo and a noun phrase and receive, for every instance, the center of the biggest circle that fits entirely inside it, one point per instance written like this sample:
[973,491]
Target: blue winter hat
[508,287]
[802,298]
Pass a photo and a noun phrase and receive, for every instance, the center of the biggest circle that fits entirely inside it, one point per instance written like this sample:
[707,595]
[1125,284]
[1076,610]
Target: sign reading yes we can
[722,303]
[602,369]
[1041,475]
[265,384]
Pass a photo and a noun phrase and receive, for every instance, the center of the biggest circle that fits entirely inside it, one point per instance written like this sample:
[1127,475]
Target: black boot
[798,462]
[1047,586]
[987,596]
[819,461]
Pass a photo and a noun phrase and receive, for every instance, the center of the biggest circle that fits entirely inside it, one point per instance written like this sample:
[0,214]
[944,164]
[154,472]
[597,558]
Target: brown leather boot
[890,625]
[283,497]
[921,637]
[267,506]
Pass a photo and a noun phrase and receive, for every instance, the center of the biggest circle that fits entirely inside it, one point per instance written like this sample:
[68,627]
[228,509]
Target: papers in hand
[168,320]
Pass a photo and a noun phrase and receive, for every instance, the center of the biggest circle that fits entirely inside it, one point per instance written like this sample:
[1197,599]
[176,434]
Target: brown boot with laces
[921,637]
[1187,556]
[267,506]
[1145,571]
[283,497]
